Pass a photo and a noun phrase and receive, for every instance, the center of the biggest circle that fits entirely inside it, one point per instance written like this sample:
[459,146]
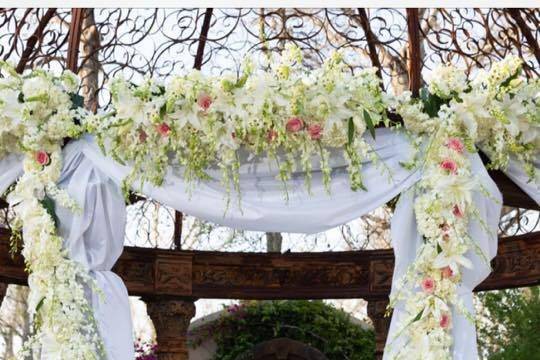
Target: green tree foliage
[312,322]
[510,328]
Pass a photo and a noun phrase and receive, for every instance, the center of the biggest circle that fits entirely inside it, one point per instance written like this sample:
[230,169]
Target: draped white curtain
[264,206]
[95,238]
[406,241]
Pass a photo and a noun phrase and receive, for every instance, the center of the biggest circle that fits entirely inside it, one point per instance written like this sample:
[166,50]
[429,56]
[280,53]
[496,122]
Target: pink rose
[42,158]
[294,124]
[142,135]
[449,165]
[315,131]
[457,211]
[428,285]
[444,322]
[271,135]
[163,129]
[455,144]
[204,101]
[447,272]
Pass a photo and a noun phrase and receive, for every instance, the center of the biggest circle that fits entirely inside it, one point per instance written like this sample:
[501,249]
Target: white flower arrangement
[37,113]
[500,113]
[289,113]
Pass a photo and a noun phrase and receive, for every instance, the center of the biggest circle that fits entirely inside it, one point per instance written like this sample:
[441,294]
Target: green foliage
[513,325]
[432,103]
[312,322]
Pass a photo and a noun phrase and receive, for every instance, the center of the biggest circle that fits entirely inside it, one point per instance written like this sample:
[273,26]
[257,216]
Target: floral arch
[282,110]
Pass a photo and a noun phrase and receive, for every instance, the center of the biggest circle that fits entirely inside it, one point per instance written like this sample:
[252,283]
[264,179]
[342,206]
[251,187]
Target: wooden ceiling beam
[32,40]
[199,57]
[372,41]
[526,31]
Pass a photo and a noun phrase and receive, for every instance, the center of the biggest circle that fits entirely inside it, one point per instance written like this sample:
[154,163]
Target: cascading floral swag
[499,112]
[290,114]
[37,111]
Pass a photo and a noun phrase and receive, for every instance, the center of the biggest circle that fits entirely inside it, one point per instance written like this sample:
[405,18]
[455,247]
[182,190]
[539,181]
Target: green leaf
[49,206]
[40,304]
[162,111]
[369,123]
[77,101]
[506,82]
[419,316]
[350,131]
[432,103]
[439,248]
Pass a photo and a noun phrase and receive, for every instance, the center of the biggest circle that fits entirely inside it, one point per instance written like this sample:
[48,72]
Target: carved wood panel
[360,274]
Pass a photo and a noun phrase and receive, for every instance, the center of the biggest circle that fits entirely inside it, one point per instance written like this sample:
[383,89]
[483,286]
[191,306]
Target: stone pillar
[171,318]
[376,310]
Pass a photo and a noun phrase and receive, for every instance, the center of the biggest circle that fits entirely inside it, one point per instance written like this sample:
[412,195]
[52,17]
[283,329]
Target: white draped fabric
[264,206]
[96,237]
[406,241]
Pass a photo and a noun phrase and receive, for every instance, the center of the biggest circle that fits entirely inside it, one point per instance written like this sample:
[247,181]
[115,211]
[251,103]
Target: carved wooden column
[171,318]
[376,310]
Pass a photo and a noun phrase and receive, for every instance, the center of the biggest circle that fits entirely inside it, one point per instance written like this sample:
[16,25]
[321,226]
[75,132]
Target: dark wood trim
[512,194]
[202,39]
[531,41]
[32,40]
[371,42]
[414,53]
[353,274]
[75,29]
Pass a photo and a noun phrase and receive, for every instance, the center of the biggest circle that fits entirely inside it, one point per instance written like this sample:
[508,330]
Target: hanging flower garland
[500,113]
[290,113]
[37,111]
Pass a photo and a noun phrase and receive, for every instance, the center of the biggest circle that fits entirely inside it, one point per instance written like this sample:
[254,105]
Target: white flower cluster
[36,114]
[446,81]
[442,208]
[500,113]
[290,113]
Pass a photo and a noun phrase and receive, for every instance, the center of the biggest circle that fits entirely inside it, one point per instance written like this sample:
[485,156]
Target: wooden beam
[531,41]
[512,194]
[75,27]
[414,52]
[32,40]
[371,42]
[352,274]
[202,39]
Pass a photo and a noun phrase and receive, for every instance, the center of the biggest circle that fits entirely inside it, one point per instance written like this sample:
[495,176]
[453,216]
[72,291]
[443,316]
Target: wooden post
[376,310]
[72,60]
[414,53]
[171,320]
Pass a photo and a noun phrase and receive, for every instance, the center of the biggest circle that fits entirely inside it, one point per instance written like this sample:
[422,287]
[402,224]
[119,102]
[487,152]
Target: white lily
[453,261]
